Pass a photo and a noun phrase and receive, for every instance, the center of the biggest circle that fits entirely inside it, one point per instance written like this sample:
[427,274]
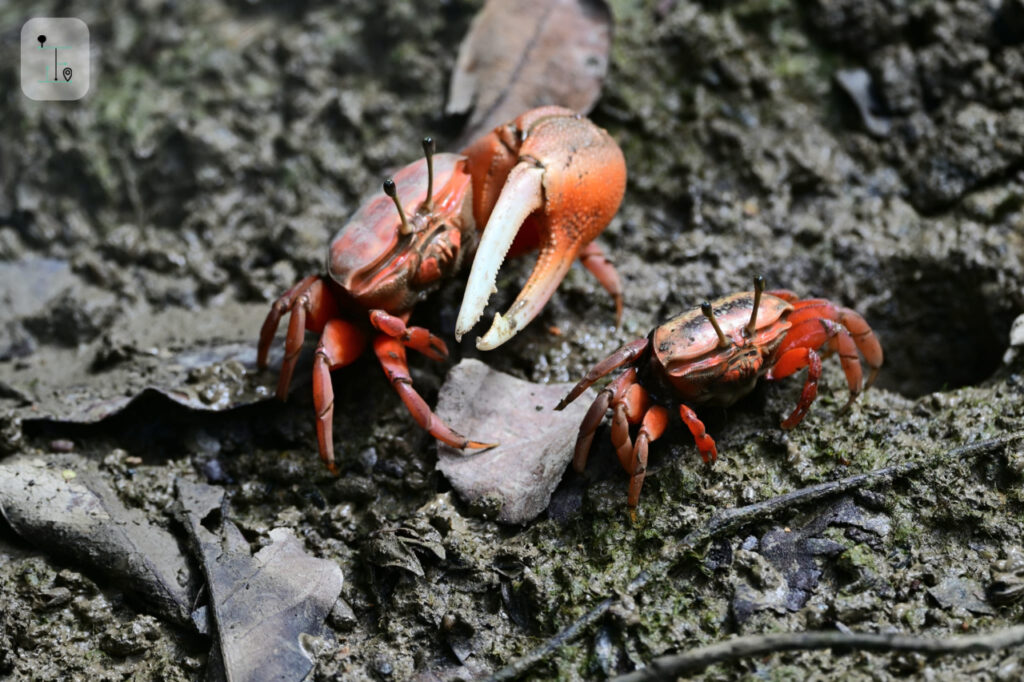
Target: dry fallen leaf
[197,365]
[264,605]
[535,443]
[521,54]
[63,506]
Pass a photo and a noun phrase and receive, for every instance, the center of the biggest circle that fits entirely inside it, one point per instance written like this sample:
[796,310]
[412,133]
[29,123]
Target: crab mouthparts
[522,195]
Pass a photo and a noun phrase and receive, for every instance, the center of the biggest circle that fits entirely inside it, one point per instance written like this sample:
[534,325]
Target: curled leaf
[264,604]
[525,54]
[393,547]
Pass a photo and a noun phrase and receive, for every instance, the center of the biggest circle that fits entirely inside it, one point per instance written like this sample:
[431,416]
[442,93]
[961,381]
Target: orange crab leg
[627,353]
[866,341]
[391,354]
[858,328]
[311,305]
[630,404]
[417,338]
[595,415]
[340,344]
[628,407]
[705,443]
[600,266]
[792,361]
[654,424]
[817,332]
[273,319]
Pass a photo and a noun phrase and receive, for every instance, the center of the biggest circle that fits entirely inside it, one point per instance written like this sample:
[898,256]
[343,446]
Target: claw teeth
[521,196]
[502,329]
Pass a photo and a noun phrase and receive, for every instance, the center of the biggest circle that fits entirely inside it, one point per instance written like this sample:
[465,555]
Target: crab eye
[392,191]
[758,289]
[709,313]
[428,150]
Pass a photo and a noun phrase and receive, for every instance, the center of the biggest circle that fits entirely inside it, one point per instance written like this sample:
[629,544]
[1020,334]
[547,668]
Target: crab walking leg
[818,332]
[595,415]
[593,418]
[417,338]
[705,443]
[391,354]
[280,307]
[340,344]
[858,328]
[627,353]
[522,195]
[654,424]
[866,341]
[792,361]
[311,308]
[628,407]
[600,266]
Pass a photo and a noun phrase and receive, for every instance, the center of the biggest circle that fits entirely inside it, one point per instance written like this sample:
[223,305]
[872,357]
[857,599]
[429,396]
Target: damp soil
[145,229]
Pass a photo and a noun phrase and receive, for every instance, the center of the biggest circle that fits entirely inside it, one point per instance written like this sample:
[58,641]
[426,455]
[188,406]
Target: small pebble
[62,445]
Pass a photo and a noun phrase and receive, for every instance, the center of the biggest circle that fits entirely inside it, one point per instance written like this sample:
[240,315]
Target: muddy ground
[144,230]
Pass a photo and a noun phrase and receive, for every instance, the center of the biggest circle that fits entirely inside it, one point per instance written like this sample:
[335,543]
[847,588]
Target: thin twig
[725,521]
[731,520]
[669,667]
[518,667]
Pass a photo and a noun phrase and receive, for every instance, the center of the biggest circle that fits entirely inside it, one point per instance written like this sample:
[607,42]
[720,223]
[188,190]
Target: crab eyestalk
[705,308]
[428,150]
[389,189]
[758,288]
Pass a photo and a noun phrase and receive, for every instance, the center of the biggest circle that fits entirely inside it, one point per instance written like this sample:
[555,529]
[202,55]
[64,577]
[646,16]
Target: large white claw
[552,265]
[522,195]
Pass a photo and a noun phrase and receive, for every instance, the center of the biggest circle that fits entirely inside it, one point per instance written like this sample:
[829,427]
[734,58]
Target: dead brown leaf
[64,506]
[265,605]
[535,443]
[521,54]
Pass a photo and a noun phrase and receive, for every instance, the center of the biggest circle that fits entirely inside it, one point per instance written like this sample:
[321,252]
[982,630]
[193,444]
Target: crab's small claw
[566,183]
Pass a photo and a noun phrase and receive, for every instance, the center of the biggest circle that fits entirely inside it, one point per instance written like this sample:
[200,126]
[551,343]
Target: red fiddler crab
[550,180]
[714,354]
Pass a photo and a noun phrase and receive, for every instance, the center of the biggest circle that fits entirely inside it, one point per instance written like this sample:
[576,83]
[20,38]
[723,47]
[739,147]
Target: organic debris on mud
[146,228]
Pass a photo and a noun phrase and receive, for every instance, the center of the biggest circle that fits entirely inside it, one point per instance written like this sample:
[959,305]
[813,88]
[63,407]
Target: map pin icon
[67,73]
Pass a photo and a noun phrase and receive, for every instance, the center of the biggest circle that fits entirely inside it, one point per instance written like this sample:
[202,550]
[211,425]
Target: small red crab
[714,354]
[551,180]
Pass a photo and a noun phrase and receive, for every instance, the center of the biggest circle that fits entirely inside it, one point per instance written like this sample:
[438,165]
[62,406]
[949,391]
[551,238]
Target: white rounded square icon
[54,59]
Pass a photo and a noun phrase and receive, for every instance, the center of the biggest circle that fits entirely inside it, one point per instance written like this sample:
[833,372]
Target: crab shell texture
[381,268]
[688,356]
